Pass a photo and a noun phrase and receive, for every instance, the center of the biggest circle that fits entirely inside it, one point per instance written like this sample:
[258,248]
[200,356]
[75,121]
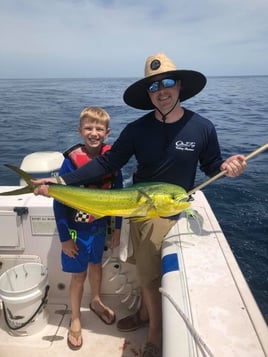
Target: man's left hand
[234,165]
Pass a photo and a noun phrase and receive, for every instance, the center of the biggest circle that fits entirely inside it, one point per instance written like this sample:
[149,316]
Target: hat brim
[192,82]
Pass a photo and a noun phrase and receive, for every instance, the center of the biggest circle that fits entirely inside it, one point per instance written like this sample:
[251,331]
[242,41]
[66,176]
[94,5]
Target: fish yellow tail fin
[26,177]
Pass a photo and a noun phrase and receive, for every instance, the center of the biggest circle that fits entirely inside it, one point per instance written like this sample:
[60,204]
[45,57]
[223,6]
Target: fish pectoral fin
[142,193]
[149,201]
[142,210]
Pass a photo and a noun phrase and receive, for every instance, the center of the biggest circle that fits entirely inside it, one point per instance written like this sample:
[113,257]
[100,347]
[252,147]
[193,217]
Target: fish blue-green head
[165,199]
[174,201]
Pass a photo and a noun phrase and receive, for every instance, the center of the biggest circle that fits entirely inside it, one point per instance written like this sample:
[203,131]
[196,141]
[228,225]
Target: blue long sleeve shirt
[166,152]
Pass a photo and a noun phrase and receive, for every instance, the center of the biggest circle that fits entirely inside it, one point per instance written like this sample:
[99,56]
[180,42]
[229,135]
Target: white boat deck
[209,288]
[99,340]
[206,299]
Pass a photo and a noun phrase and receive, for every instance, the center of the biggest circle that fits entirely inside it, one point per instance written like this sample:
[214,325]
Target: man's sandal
[106,315]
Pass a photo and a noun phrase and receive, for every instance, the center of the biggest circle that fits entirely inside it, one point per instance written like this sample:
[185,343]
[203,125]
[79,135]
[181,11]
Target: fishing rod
[222,173]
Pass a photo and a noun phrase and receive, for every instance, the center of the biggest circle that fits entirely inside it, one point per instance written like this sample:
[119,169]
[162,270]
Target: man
[168,144]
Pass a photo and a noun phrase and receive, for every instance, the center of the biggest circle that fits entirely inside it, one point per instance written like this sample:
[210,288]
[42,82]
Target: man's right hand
[42,186]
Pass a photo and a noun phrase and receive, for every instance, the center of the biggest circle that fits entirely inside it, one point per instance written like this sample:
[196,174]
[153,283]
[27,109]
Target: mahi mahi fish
[137,202]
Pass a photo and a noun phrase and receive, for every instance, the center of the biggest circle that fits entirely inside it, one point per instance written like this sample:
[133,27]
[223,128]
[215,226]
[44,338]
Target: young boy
[81,236]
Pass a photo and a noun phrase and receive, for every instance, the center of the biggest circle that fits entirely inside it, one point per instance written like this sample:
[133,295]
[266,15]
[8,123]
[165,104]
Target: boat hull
[205,296]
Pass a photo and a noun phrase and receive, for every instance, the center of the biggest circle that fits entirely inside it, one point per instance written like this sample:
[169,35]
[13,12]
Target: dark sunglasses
[165,83]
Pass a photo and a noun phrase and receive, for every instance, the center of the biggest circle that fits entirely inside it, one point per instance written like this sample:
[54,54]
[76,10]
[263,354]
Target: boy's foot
[74,339]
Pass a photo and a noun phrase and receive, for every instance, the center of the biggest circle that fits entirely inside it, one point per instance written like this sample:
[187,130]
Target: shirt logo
[185,146]
[73,234]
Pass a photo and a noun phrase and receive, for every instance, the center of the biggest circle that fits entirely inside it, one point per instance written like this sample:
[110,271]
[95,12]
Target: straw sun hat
[192,82]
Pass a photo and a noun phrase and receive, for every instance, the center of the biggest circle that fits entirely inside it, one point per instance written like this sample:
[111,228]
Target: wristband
[58,180]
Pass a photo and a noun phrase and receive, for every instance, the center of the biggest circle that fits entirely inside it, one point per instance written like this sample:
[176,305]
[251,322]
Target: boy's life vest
[78,156]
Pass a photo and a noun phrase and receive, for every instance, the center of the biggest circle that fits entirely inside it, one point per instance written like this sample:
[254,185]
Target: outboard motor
[42,164]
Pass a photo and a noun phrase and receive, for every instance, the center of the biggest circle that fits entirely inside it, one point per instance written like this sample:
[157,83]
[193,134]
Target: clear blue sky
[101,38]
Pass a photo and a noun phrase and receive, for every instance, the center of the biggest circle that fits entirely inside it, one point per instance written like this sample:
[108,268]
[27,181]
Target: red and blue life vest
[79,157]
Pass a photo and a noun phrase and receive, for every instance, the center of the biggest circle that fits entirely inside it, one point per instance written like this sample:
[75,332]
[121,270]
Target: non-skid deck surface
[99,339]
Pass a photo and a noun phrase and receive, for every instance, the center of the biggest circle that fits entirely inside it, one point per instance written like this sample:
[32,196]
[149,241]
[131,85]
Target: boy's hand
[69,248]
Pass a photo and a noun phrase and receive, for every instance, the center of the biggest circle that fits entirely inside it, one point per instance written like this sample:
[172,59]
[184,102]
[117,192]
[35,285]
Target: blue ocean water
[42,114]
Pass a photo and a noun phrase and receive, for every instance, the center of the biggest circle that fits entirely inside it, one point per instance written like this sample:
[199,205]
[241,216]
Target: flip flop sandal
[76,335]
[103,315]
